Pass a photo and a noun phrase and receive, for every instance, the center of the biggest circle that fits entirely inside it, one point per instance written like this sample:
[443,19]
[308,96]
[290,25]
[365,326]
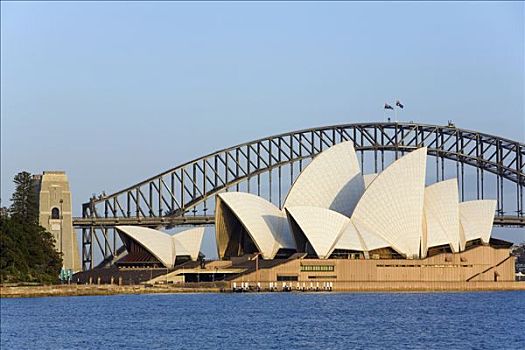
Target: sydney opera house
[339,226]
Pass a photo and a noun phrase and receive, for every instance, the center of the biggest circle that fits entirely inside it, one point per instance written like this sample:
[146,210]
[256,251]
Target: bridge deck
[78,222]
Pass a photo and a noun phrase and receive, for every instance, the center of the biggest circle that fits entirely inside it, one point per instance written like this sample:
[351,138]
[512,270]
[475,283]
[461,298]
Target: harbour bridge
[486,166]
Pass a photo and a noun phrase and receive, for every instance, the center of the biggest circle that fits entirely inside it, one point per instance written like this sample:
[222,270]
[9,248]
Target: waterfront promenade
[218,287]
[105,289]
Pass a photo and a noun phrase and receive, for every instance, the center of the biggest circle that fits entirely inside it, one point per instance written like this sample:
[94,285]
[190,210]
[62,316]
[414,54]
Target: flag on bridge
[399,104]
[387,106]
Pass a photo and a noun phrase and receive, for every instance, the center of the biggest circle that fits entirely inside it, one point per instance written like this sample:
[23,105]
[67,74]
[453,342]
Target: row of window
[286,278]
[332,277]
[440,265]
[310,268]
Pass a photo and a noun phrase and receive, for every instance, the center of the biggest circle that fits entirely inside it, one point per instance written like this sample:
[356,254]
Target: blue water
[489,320]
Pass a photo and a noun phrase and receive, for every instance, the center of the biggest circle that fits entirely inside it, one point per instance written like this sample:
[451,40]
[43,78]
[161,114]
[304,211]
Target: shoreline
[96,290]
[108,289]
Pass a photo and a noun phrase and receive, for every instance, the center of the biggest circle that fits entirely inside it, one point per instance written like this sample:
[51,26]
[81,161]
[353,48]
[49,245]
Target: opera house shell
[334,211]
[148,247]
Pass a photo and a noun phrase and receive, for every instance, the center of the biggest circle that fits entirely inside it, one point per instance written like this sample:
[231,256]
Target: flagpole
[399,106]
[387,106]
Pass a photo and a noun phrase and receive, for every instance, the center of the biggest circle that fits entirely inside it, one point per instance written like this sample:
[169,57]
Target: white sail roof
[350,238]
[462,239]
[392,206]
[189,242]
[477,218]
[332,180]
[370,240]
[442,216]
[158,243]
[324,224]
[164,246]
[264,222]
[322,227]
[368,178]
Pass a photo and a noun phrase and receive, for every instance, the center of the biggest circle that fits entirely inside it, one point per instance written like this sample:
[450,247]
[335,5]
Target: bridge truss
[486,166]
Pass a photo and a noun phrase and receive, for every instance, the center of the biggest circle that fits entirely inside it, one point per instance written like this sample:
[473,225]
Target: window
[321,268]
[55,214]
[427,265]
[322,277]
[286,278]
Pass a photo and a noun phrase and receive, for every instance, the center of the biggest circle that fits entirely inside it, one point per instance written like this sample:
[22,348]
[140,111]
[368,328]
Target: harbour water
[486,320]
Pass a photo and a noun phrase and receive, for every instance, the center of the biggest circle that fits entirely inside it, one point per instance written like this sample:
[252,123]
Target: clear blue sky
[114,92]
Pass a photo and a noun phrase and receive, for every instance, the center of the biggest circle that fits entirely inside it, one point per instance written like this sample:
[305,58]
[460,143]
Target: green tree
[25,204]
[27,252]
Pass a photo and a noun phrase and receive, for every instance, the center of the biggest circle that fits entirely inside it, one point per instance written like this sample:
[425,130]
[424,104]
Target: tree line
[27,252]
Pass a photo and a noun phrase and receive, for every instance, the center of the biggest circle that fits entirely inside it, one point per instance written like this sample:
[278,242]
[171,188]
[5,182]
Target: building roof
[441,216]
[322,227]
[265,223]
[189,242]
[395,210]
[332,181]
[370,240]
[392,206]
[476,219]
[158,243]
[163,246]
[368,178]
[350,239]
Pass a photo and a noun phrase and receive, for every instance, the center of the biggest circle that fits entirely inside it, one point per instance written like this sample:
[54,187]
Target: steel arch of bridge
[184,194]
